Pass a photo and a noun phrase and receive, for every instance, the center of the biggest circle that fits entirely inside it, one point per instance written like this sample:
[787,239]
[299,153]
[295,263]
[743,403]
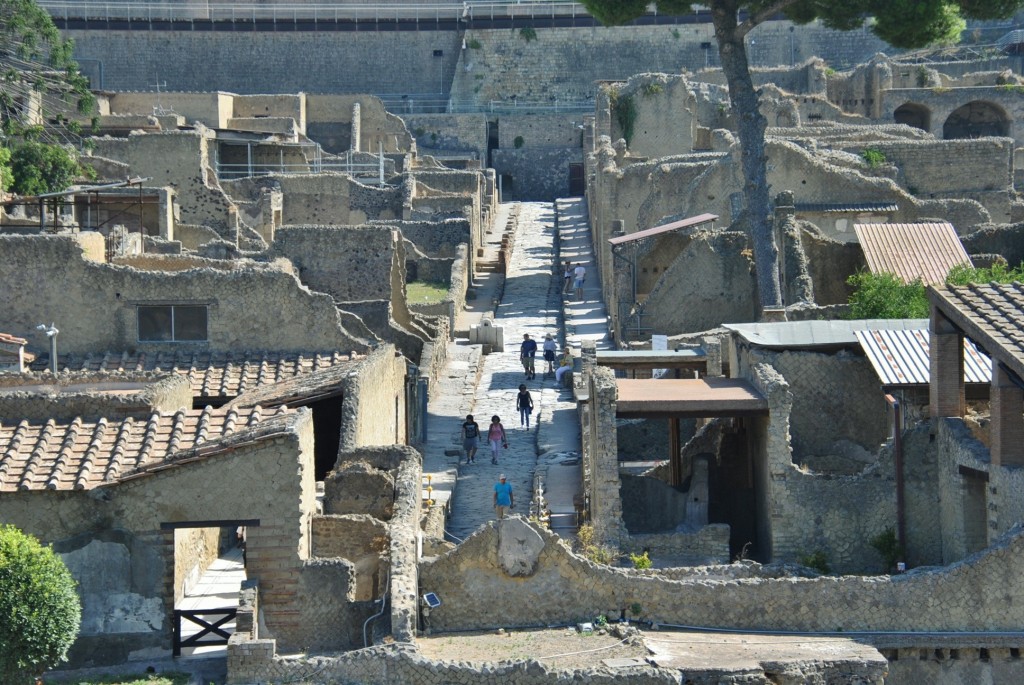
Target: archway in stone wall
[913,114]
[977,119]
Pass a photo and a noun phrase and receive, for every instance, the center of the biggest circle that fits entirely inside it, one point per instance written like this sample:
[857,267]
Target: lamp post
[51,333]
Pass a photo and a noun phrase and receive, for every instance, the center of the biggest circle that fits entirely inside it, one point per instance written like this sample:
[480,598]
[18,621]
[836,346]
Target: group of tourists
[496,437]
[574,276]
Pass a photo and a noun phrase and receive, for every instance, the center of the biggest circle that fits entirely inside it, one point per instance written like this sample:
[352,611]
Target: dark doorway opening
[326,434]
[577,186]
[492,141]
[731,495]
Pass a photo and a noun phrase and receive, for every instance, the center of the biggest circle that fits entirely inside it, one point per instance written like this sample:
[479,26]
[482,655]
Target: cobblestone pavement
[531,302]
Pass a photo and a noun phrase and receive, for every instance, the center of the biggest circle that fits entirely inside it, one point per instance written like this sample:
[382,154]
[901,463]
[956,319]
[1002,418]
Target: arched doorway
[913,114]
[976,119]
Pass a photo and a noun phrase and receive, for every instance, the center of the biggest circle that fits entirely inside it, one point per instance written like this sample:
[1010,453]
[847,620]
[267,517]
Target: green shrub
[873,156]
[997,273]
[884,296]
[518,142]
[528,33]
[39,609]
[473,44]
[625,115]
[888,547]
[636,609]
[42,168]
[5,169]
[675,33]
[652,88]
[816,560]
[640,561]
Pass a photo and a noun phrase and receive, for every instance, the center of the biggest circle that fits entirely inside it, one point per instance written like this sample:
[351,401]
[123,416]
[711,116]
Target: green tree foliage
[884,296]
[5,169]
[39,608]
[39,81]
[903,23]
[42,168]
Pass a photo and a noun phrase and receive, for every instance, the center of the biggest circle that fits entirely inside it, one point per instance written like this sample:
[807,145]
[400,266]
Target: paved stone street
[530,302]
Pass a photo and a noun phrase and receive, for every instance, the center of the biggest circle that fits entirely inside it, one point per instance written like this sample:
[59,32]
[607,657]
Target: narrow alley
[530,302]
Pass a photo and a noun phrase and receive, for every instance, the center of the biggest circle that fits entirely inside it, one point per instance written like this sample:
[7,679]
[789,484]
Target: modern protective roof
[81,455]
[688,397]
[911,251]
[900,357]
[214,375]
[798,334]
[664,228]
[990,314]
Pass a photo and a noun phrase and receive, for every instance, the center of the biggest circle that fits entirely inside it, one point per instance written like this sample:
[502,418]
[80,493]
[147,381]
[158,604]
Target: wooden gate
[211,629]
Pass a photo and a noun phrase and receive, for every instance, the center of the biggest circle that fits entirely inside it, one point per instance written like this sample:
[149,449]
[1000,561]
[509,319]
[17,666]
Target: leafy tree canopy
[39,81]
[884,296]
[42,168]
[39,609]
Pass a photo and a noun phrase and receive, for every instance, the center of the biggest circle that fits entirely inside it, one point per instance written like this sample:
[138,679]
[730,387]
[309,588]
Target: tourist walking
[524,403]
[496,437]
[549,353]
[527,352]
[504,500]
[580,274]
[470,438]
[567,275]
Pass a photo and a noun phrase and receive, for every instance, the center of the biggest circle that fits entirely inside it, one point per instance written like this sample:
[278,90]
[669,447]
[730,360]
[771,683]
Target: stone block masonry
[972,595]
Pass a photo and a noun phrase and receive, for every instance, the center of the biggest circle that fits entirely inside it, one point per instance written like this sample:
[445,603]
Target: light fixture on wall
[51,333]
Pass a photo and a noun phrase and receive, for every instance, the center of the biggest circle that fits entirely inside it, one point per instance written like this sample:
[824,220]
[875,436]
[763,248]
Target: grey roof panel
[816,333]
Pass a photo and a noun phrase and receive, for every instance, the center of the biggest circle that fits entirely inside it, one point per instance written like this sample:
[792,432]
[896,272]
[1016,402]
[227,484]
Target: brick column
[1007,429]
[946,389]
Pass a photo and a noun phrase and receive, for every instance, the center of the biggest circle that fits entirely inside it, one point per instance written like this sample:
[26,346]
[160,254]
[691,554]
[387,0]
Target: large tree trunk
[752,125]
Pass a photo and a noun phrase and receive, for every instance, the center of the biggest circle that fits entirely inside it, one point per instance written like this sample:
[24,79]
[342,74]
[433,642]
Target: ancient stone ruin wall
[979,501]
[373,412]
[211,109]
[837,408]
[92,395]
[180,159]
[116,546]
[568,588]
[194,550]
[448,133]
[257,307]
[348,263]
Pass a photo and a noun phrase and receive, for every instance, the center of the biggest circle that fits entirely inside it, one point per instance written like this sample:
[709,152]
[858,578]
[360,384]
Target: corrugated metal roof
[664,228]
[910,251]
[900,357]
[793,334]
[827,208]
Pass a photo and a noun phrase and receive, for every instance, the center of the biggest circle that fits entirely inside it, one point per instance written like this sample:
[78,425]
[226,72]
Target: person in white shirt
[580,275]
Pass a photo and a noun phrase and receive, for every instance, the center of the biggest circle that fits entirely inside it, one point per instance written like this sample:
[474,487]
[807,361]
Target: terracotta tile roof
[300,389]
[909,251]
[12,340]
[990,314]
[81,455]
[214,375]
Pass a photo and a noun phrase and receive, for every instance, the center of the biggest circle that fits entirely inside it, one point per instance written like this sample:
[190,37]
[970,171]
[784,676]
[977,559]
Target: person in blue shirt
[504,500]
[527,351]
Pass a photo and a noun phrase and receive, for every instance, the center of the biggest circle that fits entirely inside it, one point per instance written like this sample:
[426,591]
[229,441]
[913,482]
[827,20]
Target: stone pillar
[605,498]
[1007,429]
[357,128]
[946,389]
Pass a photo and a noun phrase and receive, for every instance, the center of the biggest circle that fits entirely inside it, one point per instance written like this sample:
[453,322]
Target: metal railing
[229,171]
[230,11]
[437,104]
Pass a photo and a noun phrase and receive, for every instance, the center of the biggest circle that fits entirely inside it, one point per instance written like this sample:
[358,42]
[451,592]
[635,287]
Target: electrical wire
[585,651]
